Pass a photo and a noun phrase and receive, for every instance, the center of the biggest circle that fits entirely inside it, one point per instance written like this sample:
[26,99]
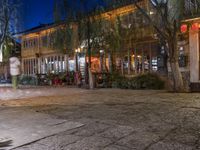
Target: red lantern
[195,27]
[184,28]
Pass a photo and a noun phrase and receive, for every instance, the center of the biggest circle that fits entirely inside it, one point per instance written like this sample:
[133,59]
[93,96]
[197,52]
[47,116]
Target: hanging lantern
[195,27]
[184,28]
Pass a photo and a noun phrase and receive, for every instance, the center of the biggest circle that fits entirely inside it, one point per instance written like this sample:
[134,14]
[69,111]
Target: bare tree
[192,7]
[85,19]
[165,17]
[9,15]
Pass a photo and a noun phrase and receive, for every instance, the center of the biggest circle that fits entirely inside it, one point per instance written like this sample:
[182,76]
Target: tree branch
[150,21]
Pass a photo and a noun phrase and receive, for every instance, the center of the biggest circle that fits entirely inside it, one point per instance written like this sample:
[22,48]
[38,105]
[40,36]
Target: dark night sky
[41,11]
[37,11]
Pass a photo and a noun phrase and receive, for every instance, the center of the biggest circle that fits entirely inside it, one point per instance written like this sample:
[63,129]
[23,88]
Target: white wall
[194,56]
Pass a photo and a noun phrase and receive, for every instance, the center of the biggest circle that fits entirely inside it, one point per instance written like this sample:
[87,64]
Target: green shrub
[62,76]
[27,80]
[144,81]
[117,80]
[148,81]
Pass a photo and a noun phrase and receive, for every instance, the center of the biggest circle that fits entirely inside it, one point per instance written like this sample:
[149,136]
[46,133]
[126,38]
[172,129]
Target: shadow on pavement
[5,142]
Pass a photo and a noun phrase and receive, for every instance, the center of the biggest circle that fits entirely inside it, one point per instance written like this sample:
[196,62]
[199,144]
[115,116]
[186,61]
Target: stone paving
[31,126]
[114,119]
[7,93]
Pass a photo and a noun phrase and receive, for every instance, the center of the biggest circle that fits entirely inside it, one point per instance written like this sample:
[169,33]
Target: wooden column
[67,62]
[135,53]
[58,65]
[129,63]
[62,66]
[31,67]
[22,66]
[50,60]
[25,70]
[122,66]
[28,67]
[142,60]
[110,62]
[54,64]
[150,58]
[194,56]
[39,65]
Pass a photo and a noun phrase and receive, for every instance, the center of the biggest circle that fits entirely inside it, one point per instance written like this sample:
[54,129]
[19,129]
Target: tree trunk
[101,62]
[110,63]
[91,79]
[91,83]
[89,44]
[178,85]
[129,63]
[67,63]
[122,66]
[86,71]
[76,61]
[104,63]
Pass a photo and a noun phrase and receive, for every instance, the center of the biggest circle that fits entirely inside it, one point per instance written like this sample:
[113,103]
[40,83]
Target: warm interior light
[151,12]
[195,27]
[101,51]
[184,28]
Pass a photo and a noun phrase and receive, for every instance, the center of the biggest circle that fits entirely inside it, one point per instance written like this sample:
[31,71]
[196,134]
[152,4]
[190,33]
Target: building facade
[142,52]
[138,54]
[38,54]
[190,29]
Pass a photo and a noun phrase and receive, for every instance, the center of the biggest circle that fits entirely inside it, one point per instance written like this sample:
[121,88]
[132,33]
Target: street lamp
[101,59]
[101,51]
[76,53]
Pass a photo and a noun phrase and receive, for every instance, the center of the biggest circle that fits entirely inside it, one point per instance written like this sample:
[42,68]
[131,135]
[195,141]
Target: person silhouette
[14,70]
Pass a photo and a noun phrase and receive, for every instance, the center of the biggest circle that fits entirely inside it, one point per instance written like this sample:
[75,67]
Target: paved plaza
[64,118]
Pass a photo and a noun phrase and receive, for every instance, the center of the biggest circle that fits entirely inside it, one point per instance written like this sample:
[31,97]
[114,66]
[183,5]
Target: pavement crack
[57,124]
[197,146]
[116,142]
[161,138]
[185,107]
[35,141]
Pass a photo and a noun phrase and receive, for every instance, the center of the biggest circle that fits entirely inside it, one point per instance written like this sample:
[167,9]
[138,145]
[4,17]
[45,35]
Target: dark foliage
[144,81]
